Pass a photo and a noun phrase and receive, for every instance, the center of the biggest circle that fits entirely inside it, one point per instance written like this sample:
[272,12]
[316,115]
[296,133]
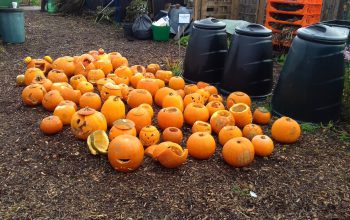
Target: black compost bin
[311,83]
[342,25]
[249,64]
[206,51]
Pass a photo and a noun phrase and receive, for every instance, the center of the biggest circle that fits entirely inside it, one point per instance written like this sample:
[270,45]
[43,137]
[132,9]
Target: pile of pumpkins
[98,91]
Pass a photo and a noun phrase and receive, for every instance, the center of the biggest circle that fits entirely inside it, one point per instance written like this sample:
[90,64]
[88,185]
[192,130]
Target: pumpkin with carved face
[149,135]
[42,64]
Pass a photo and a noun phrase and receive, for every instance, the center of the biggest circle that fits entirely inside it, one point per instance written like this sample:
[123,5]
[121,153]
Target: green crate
[161,33]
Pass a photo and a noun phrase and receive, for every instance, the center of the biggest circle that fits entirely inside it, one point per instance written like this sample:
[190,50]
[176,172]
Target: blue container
[12,25]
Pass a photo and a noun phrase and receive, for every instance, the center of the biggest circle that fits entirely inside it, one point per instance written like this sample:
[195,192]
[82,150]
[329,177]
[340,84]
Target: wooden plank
[261,11]
[235,9]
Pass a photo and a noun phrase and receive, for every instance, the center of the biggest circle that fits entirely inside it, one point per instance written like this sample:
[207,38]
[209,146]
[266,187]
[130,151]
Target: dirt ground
[54,177]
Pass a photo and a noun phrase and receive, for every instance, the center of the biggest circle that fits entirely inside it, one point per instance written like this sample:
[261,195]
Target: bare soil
[54,177]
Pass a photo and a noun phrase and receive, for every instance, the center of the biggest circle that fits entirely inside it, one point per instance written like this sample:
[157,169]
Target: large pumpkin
[195,112]
[125,153]
[285,130]
[31,73]
[138,96]
[140,117]
[161,93]
[242,114]
[33,94]
[173,100]
[238,152]
[221,119]
[51,100]
[176,82]
[170,117]
[87,120]
[193,98]
[205,95]
[122,126]
[229,132]
[201,145]
[66,64]
[238,97]
[214,106]
[113,109]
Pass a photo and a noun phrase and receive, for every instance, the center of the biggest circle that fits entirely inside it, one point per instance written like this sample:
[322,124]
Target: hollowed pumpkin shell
[75,80]
[214,106]
[221,119]
[172,134]
[201,126]
[101,82]
[149,135]
[161,93]
[153,68]
[170,117]
[261,116]
[149,150]
[238,97]
[215,97]
[123,71]
[33,94]
[42,64]
[195,112]
[263,145]
[122,126]
[173,100]
[140,117]
[31,73]
[201,145]
[57,76]
[285,130]
[135,79]
[164,75]
[51,100]
[242,114]
[113,109]
[84,64]
[94,75]
[176,82]
[172,156]
[205,95]
[139,96]
[51,125]
[110,89]
[251,130]
[148,84]
[238,152]
[190,88]
[193,98]
[138,69]
[229,132]
[90,99]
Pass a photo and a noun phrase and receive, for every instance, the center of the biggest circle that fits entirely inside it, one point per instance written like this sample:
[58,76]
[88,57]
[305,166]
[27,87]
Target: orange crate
[298,1]
[297,9]
[302,20]
[284,43]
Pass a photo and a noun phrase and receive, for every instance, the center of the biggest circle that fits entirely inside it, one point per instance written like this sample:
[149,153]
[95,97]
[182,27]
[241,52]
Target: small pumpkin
[135,79]
[173,100]
[51,125]
[44,82]
[83,64]
[65,112]
[125,153]
[211,89]
[76,79]
[105,65]
[238,97]
[33,94]
[170,117]
[263,145]
[57,76]
[215,97]
[221,119]
[90,99]
[101,82]
[164,75]
[181,93]
[214,106]
[160,83]
[31,73]
[118,62]
[148,84]
[119,80]
[123,71]
[139,96]
[161,93]
[148,108]
[193,98]
[190,88]
[51,100]
[195,112]
[113,109]
[149,135]
[285,130]
[176,82]
[110,89]
[152,68]
[172,134]
[202,85]
[122,126]
[140,117]
[94,75]
[251,130]
[238,152]
[205,95]
[87,120]
[261,116]
[172,156]
[242,114]
[44,65]
[138,69]
[228,132]
[66,64]
[201,126]
[201,145]
[20,80]
[85,87]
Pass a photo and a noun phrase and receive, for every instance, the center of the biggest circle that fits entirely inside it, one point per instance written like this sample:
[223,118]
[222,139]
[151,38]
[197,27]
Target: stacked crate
[221,9]
[284,17]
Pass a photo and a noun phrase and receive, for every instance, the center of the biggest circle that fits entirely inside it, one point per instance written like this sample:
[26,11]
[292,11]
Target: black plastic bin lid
[6,10]
[256,30]
[322,33]
[210,23]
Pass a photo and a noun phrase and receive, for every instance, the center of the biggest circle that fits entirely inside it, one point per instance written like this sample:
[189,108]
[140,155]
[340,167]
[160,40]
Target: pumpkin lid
[124,124]
[86,111]
[104,81]
[255,30]
[111,86]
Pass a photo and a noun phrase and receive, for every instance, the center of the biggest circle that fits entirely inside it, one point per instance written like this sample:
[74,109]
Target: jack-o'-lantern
[56,75]
[149,135]
[193,98]
[44,65]
[33,94]
[110,89]
[31,73]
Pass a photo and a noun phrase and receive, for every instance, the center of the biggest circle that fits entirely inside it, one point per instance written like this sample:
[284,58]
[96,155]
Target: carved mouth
[40,66]
[123,161]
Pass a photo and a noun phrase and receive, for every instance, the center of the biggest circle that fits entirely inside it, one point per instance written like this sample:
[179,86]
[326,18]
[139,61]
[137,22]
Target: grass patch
[174,65]
[309,127]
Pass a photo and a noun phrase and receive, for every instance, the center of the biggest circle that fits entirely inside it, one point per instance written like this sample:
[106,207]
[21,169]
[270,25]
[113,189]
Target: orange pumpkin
[125,89]
[121,80]
[122,126]
[148,108]
[263,145]
[214,106]
[140,117]
[85,87]
[51,125]
[176,82]
[172,156]
[110,89]
[87,120]
[51,100]
[125,153]
[149,150]
[76,79]
[221,119]
[33,94]
[160,83]
[90,99]
[181,93]
[202,85]
[251,130]
[148,84]
[205,95]
[170,117]
[201,145]
[31,73]
[113,109]
[113,77]
[172,134]
[68,102]
[123,71]
[101,82]
[42,64]
[149,135]
[70,94]
[118,62]
[152,68]
[238,152]
[149,75]
[242,114]
[173,100]
[228,132]
[61,86]
[201,126]
[193,98]
[215,97]
[161,93]
[113,55]
[44,82]
[94,75]
[65,112]
[211,89]
[261,116]
[238,97]
[84,64]
[164,75]
[135,78]
[138,96]
[190,88]
[57,76]
[138,69]
[285,130]
[66,64]
[195,112]
[105,65]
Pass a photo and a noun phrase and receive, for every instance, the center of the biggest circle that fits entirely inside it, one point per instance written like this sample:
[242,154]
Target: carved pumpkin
[119,61]
[135,78]
[65,112]
[242,114]
[94,75]
[66,64]
[149,135]
[251,130]
[148,108]
[87,120]
[101,82]
[229,132]
[221,119]
[51,100]
[211,89]
[51,125]
[263,145]
[31,73]
[149,150]
[122,126]
[149,75]
[125,153]
[176,82]
[123,71]
[164,75]
[148,84]
[76,79]
[90,99]
[152,68]
[238,152]
[173,100]
[125,89]
[113,77]
[140,117]
[84,64]
[113,109]
[202,85]
[190,88]
[214,106]
[121,80]
[205,95]
[161,93]
[170,117]
[193,98]
[285,130]
[44,82]
[105,65]
[57,76]
[238,97]
[138,96]
[85,87]
[195,112]
[201,145]
[201,126]
[172,156]
[261,116]
[42,64]
[215,97]
[138,69]
[33,94]
[110,89]
[181,93]
[160,83]
[172,134]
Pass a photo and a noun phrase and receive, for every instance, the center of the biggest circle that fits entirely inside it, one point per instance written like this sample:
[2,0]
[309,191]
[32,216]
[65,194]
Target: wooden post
[261,12]
[235,10]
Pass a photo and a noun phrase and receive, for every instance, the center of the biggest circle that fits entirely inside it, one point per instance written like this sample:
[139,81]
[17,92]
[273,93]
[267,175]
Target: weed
[184,40]
[239,191]
[309,127]
[174,65]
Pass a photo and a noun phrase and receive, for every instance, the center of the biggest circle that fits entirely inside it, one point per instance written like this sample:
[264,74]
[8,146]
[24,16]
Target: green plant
[184,40]
[309,127]
[282,59]
[105,14]
[135,9]
[174,65]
